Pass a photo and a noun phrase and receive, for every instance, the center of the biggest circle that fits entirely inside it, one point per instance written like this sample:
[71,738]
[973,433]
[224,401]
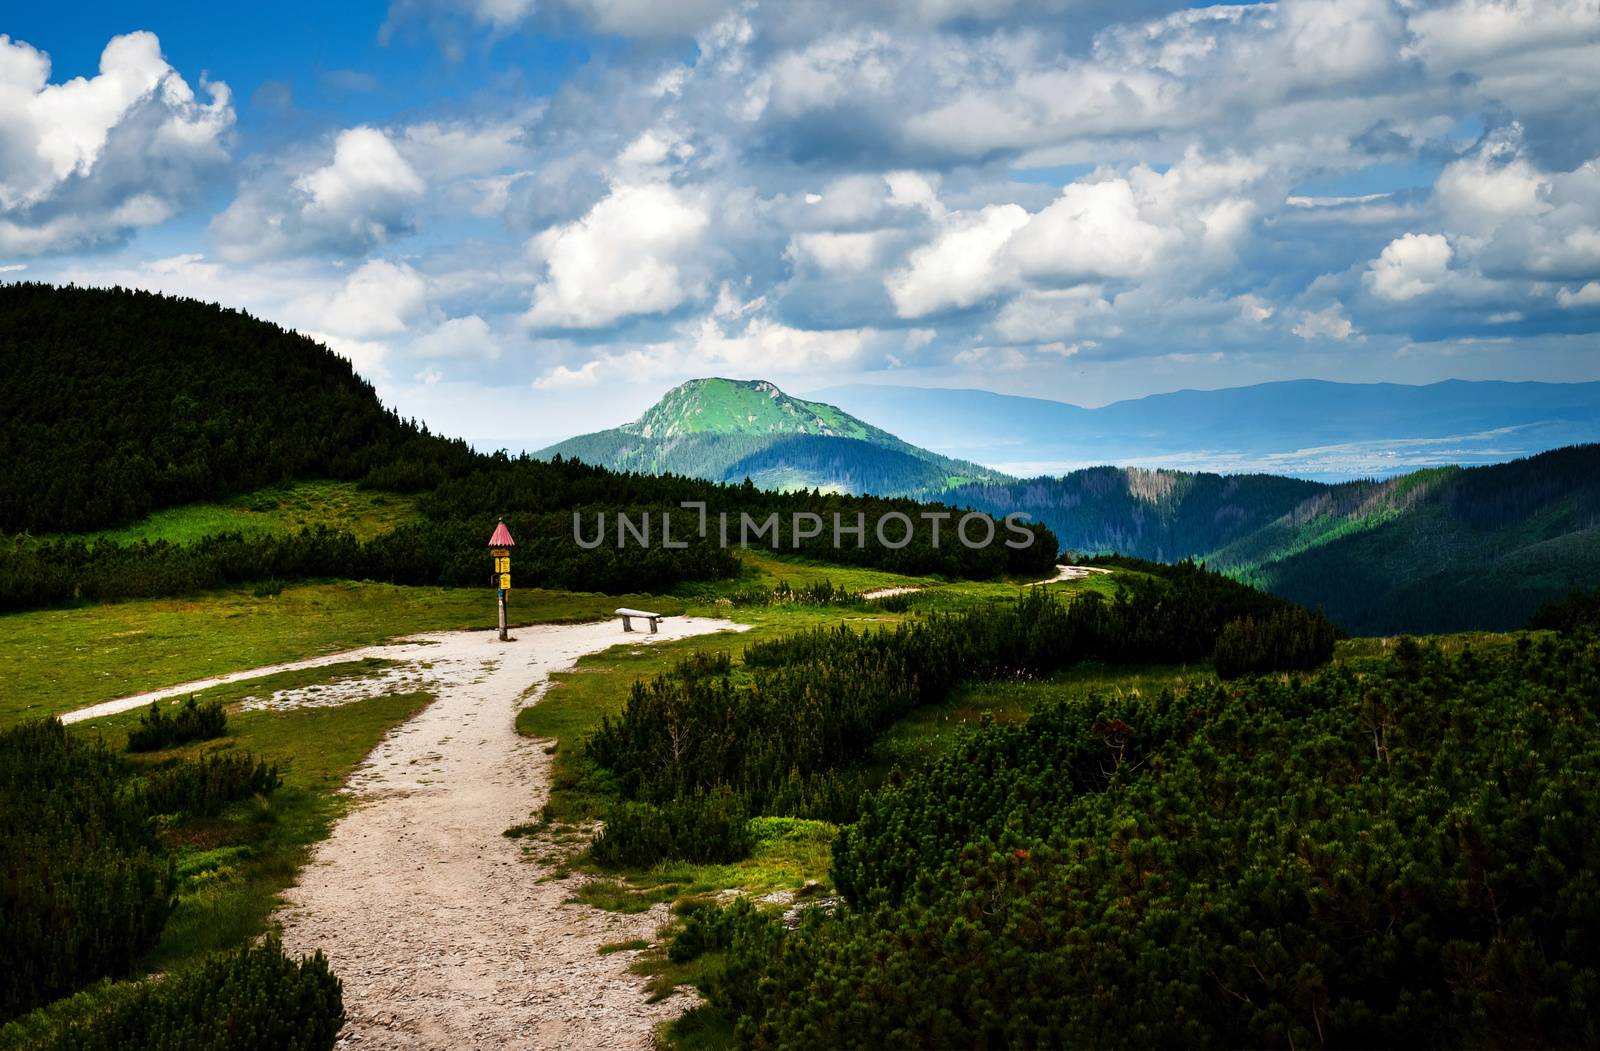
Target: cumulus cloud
[799,187]
[1465,33]
[1495,183]
[1410,266]
[1183,223]
[85,162]
[631,255]
[962,266]
[1587,296]
[459,337]
[1327,323]
[379,298]
[355,201]
[1092,231]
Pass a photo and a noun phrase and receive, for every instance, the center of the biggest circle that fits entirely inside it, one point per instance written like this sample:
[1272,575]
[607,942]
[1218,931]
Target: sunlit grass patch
[60,659]
[367,513]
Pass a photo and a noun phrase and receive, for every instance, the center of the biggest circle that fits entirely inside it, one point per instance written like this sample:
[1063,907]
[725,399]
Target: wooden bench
[627,616]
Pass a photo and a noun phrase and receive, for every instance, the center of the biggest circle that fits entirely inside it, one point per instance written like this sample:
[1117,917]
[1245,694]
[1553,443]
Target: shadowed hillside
[118,403]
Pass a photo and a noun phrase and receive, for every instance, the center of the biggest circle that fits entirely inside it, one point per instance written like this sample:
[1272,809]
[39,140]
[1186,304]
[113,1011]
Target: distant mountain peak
[716,405]
[727,430]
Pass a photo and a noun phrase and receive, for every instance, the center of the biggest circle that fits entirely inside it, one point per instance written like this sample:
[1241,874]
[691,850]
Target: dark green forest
[1399,854]
[1161,515]
[118,403]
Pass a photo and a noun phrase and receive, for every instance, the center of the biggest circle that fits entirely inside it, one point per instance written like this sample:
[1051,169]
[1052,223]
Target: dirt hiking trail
[443,935]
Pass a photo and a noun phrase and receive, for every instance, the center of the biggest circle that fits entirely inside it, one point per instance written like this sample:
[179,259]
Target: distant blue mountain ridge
[1312,429]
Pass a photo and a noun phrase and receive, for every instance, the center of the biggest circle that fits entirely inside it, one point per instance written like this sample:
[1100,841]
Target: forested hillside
[1443,549]
[118,403]
[1155,514]
[787,737]
[1440,550]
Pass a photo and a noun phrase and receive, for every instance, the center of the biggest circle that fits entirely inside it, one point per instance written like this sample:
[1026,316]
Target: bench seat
[627,616]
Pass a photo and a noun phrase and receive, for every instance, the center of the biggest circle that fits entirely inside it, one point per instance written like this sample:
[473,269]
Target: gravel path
[444,936]
[1069,573]
[442,933]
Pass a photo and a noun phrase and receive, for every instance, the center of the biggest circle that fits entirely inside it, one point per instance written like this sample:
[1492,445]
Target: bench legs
[653,621]
[627,623]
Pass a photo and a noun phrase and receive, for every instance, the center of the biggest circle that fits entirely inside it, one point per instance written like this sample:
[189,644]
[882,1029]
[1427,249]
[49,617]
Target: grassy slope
[61,659]
[284,509]
[724,406]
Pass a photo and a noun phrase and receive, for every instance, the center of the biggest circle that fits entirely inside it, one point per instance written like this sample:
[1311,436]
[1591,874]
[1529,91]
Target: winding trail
[1068,573]
[442,933]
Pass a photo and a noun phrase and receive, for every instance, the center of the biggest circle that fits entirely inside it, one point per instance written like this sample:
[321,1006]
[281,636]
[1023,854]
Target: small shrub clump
[709,828]
[85,887]
[254,998]
[192,722]
[1289,639]
[202,787]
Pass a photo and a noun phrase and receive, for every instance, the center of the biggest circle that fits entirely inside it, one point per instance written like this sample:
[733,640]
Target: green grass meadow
[58,660]
[234,866]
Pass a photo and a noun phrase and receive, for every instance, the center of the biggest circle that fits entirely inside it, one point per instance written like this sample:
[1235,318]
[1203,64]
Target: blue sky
[526,218]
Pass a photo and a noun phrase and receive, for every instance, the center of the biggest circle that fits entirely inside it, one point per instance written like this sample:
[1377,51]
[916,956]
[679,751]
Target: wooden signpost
[500,545]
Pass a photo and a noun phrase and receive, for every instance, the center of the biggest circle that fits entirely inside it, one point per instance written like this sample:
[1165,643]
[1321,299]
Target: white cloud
[439,150]
[87,161]
[838,252]
[1093,231]
[379,298]
[959,268]
[1410,266]
[356,201]
[365,165]
[1494,184]
[758,344]
[1042,178]
[1587,296]
[631,255]
[1047,316]
[1327,323]
[1462,34]
[561,377]
[459,337]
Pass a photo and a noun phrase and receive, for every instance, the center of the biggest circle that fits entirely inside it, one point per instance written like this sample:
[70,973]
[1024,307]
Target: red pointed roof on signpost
[502,537]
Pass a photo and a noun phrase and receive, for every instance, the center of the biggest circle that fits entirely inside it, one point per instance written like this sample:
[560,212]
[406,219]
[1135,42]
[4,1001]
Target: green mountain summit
[729,430]
[724,406]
